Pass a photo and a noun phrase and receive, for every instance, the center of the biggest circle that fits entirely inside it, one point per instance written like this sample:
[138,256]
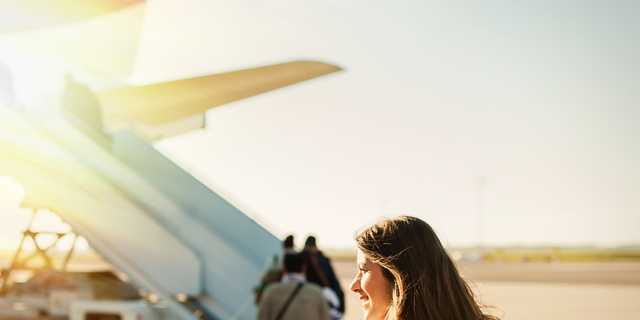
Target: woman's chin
[368,315]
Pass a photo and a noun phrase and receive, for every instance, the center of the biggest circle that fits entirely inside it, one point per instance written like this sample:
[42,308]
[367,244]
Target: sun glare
[15,219]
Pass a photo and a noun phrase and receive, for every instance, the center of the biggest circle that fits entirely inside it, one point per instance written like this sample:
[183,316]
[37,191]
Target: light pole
[480,182]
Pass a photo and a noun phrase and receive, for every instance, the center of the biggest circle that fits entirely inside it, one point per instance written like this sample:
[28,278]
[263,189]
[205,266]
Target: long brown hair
[427,285]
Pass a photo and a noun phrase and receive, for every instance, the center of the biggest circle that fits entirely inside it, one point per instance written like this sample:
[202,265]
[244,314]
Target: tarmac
[550,291]
[528,291]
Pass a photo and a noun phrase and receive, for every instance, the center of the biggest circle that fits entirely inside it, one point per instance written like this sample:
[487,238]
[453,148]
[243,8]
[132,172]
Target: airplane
[94,165]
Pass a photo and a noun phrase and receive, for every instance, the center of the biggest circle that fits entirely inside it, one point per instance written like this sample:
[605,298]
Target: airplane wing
[161,110]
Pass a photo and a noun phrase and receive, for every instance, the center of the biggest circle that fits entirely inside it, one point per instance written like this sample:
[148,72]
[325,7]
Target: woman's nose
[355,284]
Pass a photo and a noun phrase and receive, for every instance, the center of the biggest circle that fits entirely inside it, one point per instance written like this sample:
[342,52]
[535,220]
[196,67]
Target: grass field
[536,254]
[560,255]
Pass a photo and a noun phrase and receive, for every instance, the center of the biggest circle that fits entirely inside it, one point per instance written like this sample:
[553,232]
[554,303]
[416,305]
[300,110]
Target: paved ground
[619,273]
[536,291]
[562,301]
[564,291]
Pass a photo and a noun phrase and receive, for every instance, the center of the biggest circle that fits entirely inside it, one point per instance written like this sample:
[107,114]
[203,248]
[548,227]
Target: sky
[538,98]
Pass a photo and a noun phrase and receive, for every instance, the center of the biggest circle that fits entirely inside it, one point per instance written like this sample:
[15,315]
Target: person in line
[287,247]
[273,270]
[314,272]
[404,273]
[294,298]
[326,276]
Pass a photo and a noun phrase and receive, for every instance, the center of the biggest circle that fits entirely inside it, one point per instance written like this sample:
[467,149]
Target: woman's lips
[364,299]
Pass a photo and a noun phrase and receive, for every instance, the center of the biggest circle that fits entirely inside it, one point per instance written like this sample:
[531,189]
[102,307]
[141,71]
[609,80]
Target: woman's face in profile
[374,289]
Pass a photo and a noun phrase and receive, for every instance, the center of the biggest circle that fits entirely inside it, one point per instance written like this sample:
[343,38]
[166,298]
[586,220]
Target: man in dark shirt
[320,270]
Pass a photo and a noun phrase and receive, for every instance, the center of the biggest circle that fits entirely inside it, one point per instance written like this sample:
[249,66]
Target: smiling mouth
[364,299]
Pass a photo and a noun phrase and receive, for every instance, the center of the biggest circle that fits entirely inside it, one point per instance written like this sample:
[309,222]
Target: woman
[406,274]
